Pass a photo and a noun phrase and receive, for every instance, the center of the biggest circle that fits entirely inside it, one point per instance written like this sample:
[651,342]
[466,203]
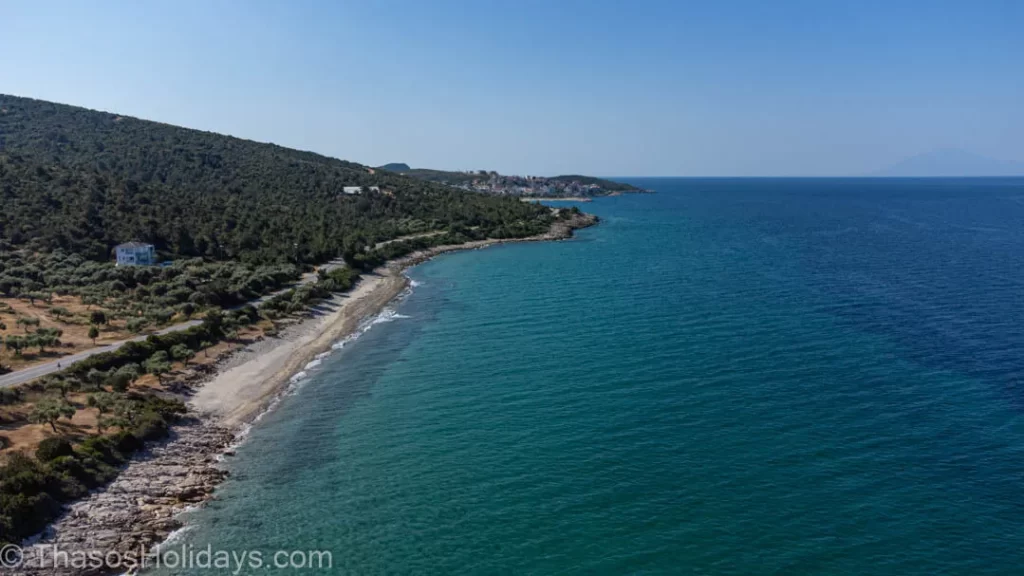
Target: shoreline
[140,508]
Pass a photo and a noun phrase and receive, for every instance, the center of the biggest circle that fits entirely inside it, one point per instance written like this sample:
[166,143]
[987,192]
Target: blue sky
[545,87]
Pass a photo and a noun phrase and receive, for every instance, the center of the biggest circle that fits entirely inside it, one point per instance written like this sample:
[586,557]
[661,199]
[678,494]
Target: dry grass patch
[75,327]
[17,434]
[23,436]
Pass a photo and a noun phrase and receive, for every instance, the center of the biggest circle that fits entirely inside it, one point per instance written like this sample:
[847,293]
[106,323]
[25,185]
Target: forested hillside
[240,219]
[84,181]
[441,176]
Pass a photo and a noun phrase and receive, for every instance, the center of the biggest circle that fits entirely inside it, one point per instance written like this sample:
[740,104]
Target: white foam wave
[177,534]
[298,379]
[387,315]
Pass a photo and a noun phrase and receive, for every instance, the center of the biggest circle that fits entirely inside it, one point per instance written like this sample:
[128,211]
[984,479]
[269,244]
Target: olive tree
[158,364]
[50,409]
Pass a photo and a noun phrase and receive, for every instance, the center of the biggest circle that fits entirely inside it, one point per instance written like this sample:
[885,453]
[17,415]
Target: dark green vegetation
[238,218]
[442,176]
[490,181]
[141,295]
[32,490]
[84,181]
[605,185]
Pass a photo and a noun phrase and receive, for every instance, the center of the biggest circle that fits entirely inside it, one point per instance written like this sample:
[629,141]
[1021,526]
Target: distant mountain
[395,167]
[952,162]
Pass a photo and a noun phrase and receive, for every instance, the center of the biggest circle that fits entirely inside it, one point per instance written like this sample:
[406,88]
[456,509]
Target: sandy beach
[140,508]
[248,383]
[243,388]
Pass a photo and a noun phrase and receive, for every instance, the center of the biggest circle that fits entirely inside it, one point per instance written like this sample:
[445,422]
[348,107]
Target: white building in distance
[358,189]
[135,254]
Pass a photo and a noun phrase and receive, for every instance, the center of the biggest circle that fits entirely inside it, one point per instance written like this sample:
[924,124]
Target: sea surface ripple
[806,376]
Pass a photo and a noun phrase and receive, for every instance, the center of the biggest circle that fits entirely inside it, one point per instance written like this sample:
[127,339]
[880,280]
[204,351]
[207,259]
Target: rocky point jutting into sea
[140,508]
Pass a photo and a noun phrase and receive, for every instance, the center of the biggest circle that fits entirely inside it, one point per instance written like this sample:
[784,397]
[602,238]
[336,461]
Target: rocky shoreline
[141,507]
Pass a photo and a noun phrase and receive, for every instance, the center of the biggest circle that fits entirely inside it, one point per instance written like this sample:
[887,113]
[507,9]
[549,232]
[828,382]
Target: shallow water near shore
[727,377]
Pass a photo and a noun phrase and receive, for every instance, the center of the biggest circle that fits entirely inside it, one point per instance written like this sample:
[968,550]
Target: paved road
[380,245]
[32,372]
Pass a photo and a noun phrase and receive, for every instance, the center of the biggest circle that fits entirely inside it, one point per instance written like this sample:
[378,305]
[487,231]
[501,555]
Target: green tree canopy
[182,353]
[158,364]
[50,409]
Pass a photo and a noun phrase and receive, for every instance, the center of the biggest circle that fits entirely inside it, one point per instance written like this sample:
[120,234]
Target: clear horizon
[644,89]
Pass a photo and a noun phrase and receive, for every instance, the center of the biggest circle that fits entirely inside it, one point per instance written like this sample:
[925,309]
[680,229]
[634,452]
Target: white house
[135,254]
[358,189]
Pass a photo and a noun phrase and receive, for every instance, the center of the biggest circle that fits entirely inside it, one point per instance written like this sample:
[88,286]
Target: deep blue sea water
[806,376]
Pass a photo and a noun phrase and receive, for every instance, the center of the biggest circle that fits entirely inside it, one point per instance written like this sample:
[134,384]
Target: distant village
[495,184]
[502,185]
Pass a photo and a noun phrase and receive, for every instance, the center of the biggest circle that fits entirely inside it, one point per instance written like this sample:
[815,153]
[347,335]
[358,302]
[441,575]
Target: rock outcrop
[139,509]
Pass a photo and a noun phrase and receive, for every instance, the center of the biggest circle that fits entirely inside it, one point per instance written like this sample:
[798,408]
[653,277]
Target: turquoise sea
[751,376]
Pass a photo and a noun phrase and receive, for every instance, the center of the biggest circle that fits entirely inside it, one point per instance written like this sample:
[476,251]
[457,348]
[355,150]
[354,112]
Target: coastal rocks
[562,230]
[138,508]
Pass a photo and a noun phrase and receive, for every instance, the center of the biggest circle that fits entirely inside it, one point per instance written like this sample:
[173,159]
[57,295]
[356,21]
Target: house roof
[134,245]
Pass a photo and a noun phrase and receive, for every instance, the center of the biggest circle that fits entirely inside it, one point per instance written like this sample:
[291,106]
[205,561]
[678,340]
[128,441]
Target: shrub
[96,378]
[182,353]
[87,472]
[125,442]
[119,381]
[158,364]
[28,497]
[161,315]
[25,322]
[149,426]
[102,448]
[54,447]
[49,410]
[135,325]
[10,396]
